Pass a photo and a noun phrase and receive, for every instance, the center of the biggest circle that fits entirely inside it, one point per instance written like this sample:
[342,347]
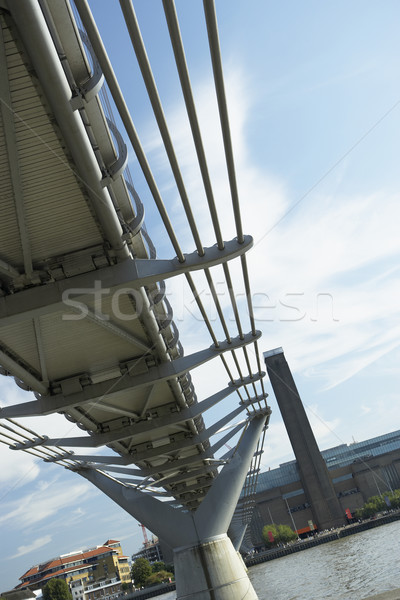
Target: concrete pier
[217,571]
[391,595]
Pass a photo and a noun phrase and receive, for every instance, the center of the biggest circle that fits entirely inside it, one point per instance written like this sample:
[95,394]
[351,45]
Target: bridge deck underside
[91,344]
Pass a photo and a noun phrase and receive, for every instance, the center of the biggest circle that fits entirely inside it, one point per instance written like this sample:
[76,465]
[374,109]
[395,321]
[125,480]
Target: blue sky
[314,100]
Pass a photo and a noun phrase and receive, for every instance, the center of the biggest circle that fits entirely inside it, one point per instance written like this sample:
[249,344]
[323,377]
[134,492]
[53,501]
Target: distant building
[318,490]
[102,568]
[107,589]
[151,551]
[357,471]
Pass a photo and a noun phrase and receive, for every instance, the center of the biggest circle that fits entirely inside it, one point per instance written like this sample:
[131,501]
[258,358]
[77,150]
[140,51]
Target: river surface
[351,568]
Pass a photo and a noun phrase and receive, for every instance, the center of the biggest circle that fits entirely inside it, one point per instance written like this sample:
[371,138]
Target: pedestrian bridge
[85,324]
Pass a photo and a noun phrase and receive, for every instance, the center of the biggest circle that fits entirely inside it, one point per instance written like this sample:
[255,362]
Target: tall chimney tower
[314,474]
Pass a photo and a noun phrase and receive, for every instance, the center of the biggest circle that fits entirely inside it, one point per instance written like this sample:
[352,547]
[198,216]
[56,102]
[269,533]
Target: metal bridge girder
[99,439]
[168,370]
[131,274]
[107,463]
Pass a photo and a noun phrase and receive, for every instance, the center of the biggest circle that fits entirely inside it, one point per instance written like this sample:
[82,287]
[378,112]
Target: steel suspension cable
[212,29]
[233,299]
[257,353]
[180,60]
[200,305]
[217,303]
[176,40]
[104,61]
[148,78]
[211,21]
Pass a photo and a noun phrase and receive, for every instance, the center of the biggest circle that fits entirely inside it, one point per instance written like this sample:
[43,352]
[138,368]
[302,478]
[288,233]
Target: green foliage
[170,567]
[56,589]
[158,566]
[125,586]
[282,535]
[370,509]
[141,570]
[377,504]
[158,577]
[395,499]
[273,530]
[286,534]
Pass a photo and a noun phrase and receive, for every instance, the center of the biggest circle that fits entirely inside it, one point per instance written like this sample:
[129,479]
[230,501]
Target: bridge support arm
[237,532]
[207,564]
[215,513]
[172,525]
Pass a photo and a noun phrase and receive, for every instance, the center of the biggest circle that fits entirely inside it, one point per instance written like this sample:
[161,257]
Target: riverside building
[357,472]
[90,574]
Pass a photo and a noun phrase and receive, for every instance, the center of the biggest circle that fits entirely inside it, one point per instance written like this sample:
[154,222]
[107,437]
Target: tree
[159,565]
[278,534]
[286,534]
[141,570]
[125,587]
[159,577]
[377,504]
[56,589]
[270,534]
[373,506]
[394,498]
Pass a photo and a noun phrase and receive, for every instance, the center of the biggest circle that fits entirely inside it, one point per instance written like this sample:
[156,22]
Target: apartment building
[82,570]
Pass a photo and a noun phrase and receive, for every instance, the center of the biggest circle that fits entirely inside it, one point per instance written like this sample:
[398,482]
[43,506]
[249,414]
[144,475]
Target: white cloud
[17,469]
[35,545]
[323,277]
[43,502]
[277,447]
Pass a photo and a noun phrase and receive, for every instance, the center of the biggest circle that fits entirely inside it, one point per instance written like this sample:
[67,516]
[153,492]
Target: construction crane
[146,539]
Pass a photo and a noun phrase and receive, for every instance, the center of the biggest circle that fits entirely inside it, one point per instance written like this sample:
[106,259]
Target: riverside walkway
[320,539]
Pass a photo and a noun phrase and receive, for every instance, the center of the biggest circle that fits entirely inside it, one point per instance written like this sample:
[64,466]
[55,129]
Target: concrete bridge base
[211,571]
[207,564]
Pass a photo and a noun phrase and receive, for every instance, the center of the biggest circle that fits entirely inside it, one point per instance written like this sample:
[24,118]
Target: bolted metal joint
[59,457]
[30,443]
[261,412]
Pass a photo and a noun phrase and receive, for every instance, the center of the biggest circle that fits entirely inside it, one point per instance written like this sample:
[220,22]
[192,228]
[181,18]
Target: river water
[350,568]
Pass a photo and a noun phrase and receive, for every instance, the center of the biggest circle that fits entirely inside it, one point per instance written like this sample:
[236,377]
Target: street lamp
[291,516]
